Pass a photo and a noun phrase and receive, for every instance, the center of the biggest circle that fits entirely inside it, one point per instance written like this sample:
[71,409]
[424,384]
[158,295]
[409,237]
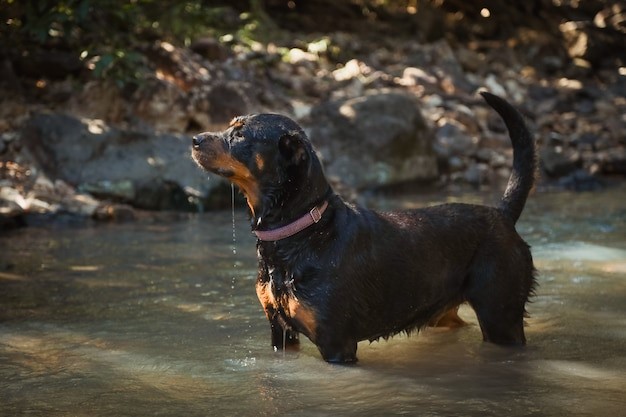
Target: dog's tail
[524,157]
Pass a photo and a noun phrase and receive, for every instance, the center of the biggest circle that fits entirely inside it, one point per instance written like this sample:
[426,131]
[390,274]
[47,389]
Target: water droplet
[234,250]
[232,200]
[234,247]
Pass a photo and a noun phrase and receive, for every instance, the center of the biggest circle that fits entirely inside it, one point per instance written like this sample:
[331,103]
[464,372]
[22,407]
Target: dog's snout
[197,140]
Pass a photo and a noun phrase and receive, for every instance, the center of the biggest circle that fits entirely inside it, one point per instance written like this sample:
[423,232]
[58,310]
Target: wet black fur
[367,274]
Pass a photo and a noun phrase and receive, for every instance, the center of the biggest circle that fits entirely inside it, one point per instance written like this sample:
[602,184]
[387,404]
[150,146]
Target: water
[151,318]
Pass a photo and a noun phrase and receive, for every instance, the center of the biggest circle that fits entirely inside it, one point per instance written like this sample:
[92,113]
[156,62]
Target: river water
[158,318]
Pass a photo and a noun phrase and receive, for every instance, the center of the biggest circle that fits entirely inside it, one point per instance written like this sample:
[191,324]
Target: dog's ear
[293,148]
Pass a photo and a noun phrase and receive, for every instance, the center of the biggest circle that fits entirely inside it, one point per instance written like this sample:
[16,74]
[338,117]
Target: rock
[164,194]
[184,92]
[470,60]
[350,70]
[98,100]
[452,140]
[491,82]
[123,190]
[123,166]
[164,106]
[558,162]
[541,93]
[455,164]
[412,76]
[11,214]
[11,202]
[580,180]
[613,162]
[225,102]
[477,174]
[440,60]
[298,56]
[168,107]
[596,43]
[374,140]
[115,212]
[81,204]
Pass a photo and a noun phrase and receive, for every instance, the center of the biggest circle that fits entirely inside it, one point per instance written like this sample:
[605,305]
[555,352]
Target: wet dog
[339,273]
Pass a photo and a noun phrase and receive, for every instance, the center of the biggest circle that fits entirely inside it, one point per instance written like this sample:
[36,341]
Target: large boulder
[375,140]
[146,170]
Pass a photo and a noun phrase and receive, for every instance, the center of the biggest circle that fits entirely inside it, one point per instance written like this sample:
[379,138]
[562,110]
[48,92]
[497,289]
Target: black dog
[340,274]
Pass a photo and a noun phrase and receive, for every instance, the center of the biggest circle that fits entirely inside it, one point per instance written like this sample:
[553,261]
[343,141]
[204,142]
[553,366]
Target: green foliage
[106,34]
[123,67]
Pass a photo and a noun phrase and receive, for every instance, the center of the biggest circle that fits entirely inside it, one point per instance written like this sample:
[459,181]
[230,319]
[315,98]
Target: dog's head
[269,158]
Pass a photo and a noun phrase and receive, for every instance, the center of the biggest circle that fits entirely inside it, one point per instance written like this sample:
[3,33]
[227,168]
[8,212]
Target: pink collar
[291,229]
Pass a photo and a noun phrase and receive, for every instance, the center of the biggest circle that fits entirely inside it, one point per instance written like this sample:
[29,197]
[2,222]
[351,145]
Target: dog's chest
[278,296]
[279,266]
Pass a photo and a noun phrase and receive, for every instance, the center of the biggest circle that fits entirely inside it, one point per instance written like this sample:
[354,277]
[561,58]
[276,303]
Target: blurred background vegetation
[105,36]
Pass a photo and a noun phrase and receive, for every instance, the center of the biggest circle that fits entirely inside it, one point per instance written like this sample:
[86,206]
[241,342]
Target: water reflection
[155,319]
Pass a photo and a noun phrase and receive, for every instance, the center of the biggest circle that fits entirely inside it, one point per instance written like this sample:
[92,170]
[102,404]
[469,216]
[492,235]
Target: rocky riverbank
[382,111]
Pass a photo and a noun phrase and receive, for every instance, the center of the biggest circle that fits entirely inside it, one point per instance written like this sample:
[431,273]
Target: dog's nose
[197,140]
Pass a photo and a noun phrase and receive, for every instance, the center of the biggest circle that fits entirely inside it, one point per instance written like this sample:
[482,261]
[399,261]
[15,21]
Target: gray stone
[374,140]
[613,162]
[558,162]
[115,164]
[477,174]
[452,140]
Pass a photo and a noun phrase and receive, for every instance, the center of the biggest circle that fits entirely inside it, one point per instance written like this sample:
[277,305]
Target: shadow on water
[162,319]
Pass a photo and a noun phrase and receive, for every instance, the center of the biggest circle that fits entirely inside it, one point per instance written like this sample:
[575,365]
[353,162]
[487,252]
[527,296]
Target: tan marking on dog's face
[246,182]
[217,160]
[303,315]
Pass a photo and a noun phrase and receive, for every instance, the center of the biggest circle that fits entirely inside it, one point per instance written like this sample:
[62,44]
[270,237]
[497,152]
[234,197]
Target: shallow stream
[161,318]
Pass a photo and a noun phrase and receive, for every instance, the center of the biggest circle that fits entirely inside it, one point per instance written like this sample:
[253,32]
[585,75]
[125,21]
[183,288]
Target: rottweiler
[339,273]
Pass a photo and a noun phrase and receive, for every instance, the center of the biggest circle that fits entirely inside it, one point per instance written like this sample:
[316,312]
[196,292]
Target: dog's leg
[498,292]
[339,349]
[500,325]
[283,337]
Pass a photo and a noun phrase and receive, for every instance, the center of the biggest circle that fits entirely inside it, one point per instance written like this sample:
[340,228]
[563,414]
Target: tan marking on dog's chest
[265,295]
[304,315]
[295,310]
